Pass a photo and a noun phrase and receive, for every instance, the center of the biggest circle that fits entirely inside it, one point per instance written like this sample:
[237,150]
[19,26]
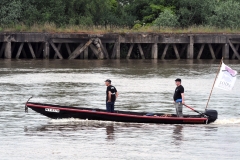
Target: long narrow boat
[59,112]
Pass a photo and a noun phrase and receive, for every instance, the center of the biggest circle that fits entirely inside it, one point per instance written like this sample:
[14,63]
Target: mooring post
[190,51]
[225,51]
[154,51]
[46,50]
[8,53]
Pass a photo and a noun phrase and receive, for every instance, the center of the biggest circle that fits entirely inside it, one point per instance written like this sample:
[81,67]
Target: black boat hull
[59,112]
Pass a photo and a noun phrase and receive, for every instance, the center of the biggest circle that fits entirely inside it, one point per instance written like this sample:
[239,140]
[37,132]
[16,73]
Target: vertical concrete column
[118,50]
[85,53]
[225,51]
[8,51]
[154,51]
[190,50]
[46,50]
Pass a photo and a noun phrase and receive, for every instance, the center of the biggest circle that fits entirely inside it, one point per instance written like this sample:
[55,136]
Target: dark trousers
[110,106]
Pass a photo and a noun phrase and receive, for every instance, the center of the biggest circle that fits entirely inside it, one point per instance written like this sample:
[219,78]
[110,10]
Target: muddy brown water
[144,85]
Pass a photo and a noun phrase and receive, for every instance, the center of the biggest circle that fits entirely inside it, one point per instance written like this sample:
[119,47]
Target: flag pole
[214,82]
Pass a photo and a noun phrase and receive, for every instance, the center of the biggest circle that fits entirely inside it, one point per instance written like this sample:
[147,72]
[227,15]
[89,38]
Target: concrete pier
[116,46]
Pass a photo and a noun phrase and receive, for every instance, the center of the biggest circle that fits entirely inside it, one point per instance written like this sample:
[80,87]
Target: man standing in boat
[111,96]
[178,97]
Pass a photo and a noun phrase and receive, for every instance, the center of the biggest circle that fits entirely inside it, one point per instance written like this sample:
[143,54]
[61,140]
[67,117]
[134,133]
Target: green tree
[10,12]
[146,11]
[194,12]
[226,14]
[166,19]
[41,11]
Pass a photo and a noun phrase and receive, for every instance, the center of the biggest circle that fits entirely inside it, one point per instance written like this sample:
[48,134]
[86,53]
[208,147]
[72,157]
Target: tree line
[122,13]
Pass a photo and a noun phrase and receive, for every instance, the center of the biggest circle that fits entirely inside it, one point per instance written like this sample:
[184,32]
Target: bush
[226,15]
[85,21]
[137,26]
[166,19]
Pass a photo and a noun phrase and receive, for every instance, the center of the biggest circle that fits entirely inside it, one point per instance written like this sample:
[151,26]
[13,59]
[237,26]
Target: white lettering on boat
[52,110]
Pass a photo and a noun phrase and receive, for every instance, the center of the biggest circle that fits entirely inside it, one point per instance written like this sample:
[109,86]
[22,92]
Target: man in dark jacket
[178,97]
[111,96]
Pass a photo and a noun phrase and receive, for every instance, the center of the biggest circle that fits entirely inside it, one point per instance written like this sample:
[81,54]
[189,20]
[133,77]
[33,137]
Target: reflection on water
[177,134]
[144,85]
[110,132]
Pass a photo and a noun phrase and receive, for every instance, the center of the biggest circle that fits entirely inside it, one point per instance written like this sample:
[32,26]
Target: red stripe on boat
[120,114]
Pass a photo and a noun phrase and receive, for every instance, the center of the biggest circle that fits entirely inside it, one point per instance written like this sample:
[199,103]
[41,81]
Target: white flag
[226,78]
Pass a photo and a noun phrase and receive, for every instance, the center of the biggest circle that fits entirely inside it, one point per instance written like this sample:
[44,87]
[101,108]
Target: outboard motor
[212,114]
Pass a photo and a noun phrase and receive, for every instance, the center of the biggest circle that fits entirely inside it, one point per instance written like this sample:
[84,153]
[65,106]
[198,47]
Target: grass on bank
[52,28]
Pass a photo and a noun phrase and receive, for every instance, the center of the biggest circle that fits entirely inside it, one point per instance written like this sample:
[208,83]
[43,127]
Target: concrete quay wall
[119,45]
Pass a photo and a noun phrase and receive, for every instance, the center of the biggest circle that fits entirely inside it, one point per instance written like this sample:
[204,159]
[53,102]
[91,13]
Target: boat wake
[228,121]
[80,121]
[85,122]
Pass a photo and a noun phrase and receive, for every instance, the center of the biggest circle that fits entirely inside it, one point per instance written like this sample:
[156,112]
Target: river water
[144,85]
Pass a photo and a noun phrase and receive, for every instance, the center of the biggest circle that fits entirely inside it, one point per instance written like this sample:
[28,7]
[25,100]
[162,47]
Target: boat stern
[212,115]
